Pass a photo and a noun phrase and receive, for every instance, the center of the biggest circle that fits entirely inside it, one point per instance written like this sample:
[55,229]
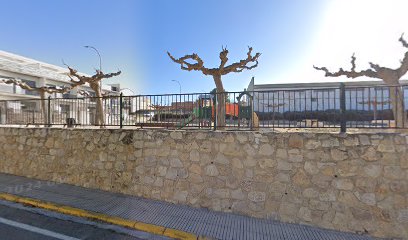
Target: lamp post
[180,94]
[99,55]
[178,84]
[120,90]
[100,64]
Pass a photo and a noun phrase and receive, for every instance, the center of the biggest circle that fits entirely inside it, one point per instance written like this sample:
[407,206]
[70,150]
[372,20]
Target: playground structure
[204,114]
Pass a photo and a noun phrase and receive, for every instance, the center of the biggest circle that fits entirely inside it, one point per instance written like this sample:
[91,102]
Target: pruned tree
[391,77]
[41,90]
[217,73]
[95,84]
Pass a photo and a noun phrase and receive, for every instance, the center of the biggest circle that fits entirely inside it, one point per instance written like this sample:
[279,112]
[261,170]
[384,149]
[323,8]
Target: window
[51,86]
[28,106]
[64,108]
[6,88]
[28,92]
[68,95]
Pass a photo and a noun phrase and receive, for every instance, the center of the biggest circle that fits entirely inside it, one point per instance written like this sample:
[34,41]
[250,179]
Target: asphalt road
[21,224]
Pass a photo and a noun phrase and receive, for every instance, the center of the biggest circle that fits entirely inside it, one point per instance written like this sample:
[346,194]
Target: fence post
[343,127]
[121,110]
[49,111]
[5,120]
[253,106]
[215,110]
[404,118]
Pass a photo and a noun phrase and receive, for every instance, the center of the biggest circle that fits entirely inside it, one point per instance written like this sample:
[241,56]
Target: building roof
[314,85]
[19,64]
[182,106]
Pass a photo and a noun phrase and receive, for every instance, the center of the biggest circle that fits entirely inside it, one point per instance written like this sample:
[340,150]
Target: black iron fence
[339,107]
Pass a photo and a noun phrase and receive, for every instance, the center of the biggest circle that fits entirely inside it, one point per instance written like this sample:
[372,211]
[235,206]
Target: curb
[140,226]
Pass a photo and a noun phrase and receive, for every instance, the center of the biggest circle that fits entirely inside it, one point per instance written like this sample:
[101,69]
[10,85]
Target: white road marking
[36,230]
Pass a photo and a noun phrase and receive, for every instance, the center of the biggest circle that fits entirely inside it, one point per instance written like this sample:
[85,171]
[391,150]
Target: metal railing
[339,107]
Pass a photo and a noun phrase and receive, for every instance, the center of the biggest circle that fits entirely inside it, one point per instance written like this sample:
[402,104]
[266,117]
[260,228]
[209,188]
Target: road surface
[20,223]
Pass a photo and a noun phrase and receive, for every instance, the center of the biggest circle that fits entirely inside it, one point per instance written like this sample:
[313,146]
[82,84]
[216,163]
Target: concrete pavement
[198,222]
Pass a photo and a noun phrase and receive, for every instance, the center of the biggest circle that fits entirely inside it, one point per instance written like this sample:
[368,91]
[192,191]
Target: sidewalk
[201,222]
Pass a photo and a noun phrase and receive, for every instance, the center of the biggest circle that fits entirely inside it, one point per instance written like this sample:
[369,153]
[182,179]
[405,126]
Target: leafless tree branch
[243,64]
[402,40]
[403,69]
[94,82]
[17,82]
[109,75]
[81,79]
[185,65]
[353,63]
[84,93]
[217,73]
[391,77]
[25,86]
[352,73]
[223,57]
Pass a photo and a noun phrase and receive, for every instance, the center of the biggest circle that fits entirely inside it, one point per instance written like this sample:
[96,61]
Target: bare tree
[391,77]
[217,73]
[95,84]
[41,90]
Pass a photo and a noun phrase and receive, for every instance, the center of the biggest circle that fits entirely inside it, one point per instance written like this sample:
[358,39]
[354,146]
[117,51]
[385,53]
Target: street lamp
[120,90]
[99,55]
[178,84]
[100,64]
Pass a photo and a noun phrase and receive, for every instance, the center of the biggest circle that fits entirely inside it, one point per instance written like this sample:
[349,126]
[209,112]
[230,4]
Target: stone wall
[355,182]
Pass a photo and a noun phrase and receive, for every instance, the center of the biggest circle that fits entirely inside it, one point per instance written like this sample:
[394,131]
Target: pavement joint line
[140,226]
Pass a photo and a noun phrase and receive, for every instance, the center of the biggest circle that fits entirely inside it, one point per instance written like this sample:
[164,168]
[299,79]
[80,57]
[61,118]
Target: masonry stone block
[349,183]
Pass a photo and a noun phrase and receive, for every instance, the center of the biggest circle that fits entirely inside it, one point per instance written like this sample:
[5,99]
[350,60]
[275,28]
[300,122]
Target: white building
[36,74]
[321,96]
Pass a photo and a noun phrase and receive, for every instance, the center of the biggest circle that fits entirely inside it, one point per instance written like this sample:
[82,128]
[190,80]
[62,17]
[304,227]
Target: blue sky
[133,36]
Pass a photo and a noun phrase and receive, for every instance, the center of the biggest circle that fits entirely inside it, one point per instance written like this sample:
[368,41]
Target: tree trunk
[44,109]
[220,103]
[100,115]
[3,109]
[398,109]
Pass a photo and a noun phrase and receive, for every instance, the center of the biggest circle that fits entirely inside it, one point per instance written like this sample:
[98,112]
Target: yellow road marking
[141,226]
[177,234]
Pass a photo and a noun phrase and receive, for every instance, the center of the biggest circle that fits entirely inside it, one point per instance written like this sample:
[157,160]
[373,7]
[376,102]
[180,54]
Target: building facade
[322,96]
[22,104]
